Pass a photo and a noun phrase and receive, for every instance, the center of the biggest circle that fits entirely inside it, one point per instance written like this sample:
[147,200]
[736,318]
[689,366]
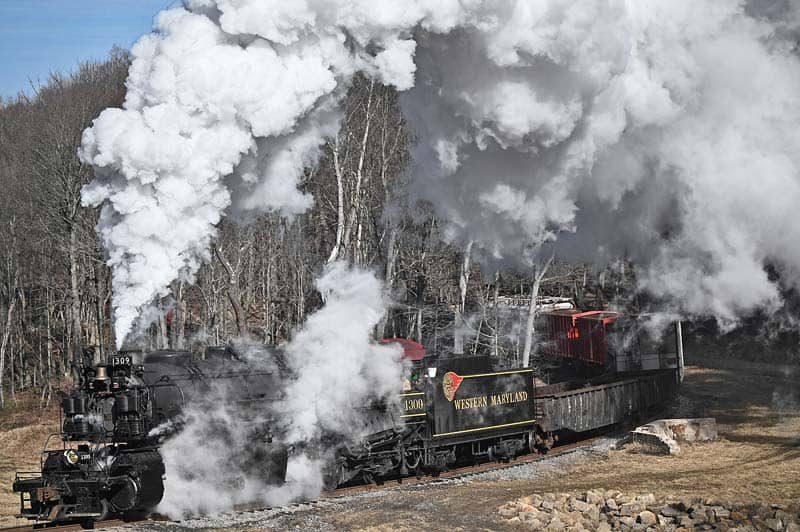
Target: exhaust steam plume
[665,131]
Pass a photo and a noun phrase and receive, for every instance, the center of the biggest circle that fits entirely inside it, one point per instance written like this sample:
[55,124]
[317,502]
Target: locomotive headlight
[71,457]
[431,372]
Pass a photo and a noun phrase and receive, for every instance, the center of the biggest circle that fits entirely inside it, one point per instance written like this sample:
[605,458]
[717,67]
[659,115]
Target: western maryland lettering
[491,400]
[470,402]
[482,402]
[508,398]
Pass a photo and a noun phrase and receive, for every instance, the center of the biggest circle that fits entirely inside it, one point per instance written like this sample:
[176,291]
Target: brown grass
[23,431]
[756,459]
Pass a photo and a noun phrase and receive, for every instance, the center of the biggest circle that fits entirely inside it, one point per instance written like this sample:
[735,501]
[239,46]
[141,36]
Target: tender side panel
[481,403]
[599,406]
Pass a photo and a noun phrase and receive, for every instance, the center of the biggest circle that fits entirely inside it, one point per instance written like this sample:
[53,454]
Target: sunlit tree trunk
[539,271]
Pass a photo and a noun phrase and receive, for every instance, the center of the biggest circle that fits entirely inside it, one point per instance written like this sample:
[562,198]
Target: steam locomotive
[452,410]
[118,415]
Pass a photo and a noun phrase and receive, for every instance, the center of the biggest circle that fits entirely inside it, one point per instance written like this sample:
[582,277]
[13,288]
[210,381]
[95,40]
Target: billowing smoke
[339,367]
[335,371]
[665,132]
[661,131]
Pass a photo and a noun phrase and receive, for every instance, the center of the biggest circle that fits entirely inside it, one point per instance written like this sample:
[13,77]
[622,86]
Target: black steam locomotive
[117,417]
[452,410]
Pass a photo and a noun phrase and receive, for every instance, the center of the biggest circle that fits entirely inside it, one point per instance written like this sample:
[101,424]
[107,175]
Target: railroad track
[464,472]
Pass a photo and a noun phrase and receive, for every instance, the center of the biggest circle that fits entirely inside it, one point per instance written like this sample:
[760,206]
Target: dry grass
[756,459]
[23,431]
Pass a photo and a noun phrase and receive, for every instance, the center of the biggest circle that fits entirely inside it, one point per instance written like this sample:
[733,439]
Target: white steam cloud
[339,367]
[664,130]
[336,370]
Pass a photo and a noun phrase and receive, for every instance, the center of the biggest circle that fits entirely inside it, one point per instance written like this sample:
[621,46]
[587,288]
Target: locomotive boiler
[115,419]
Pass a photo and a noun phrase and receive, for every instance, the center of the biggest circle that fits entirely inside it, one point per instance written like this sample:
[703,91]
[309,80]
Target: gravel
[311,515]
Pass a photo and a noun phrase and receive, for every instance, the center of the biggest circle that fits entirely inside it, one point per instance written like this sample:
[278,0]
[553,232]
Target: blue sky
[41,36]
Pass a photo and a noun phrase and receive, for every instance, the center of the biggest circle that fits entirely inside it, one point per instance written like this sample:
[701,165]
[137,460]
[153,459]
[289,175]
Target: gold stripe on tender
[410,394]
[498,373]
[413,415]
[484,428]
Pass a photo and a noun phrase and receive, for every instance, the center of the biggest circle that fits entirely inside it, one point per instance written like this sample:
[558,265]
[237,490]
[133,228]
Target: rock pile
[606,510]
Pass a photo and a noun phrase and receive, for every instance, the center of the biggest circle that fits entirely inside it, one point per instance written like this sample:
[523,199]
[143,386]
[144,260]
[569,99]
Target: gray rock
[592,497]
[611,504]
[774,524]
[647,499]
[664,521]
[698,514]
[578,506]
[720,512]
[626,520]
[630,508]
[669,511]
[647,518]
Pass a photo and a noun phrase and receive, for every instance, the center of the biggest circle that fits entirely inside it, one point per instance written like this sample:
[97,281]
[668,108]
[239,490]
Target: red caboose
[578,334]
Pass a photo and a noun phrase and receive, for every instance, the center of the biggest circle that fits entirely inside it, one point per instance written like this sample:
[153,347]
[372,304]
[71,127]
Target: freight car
[114,420]
[602,341]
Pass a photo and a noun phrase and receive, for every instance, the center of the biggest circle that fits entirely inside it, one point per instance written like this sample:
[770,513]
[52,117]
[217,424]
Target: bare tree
[539,271]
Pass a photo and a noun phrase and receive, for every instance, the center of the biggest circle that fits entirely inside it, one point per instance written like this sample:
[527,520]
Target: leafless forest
[55,296]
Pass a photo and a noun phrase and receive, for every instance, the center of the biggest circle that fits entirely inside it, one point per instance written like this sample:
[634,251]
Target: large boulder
[663,436]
